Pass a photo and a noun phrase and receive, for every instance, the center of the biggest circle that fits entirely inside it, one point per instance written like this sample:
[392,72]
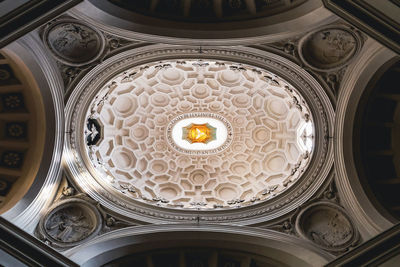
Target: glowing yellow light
[199,133]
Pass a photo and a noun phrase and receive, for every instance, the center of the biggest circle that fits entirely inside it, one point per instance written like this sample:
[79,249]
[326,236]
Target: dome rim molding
[321,108]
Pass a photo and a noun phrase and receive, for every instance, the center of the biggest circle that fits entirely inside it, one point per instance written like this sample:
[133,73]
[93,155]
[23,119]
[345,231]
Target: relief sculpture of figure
[74,37]
[329,48]
[331,234]
[337,45]
[68,225]
[74,42]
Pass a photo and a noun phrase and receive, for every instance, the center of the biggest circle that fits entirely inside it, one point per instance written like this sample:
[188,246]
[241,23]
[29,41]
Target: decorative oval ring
[312,178]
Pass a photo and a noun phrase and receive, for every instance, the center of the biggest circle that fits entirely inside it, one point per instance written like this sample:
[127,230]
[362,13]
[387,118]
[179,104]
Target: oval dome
[198,134]
[157,135]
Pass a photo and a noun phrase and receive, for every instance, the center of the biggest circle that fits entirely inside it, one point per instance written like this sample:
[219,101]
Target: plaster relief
[134,167]
[257,131]
[73,43]
[330,48]
[327,225]
[70,222]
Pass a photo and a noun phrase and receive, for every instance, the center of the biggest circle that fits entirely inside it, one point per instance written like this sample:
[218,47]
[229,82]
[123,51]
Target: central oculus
[199,133]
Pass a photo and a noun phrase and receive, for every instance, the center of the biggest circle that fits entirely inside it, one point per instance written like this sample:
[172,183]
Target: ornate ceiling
[129,121]
[198,133]
[136,122]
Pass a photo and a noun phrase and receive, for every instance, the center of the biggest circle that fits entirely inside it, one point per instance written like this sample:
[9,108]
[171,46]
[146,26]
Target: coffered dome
[203,134]
[198,134]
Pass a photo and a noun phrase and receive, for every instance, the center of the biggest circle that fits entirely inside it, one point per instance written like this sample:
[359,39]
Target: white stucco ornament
[198,134]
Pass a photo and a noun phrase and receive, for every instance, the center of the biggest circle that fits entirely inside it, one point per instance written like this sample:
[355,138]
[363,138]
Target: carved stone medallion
[327,225]
[73,43]
[70,222]
[329,48]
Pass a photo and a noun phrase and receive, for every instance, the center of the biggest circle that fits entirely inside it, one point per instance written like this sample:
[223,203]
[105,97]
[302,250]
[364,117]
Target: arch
[275,245]
[113,19]
[369,221]
[30,51]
